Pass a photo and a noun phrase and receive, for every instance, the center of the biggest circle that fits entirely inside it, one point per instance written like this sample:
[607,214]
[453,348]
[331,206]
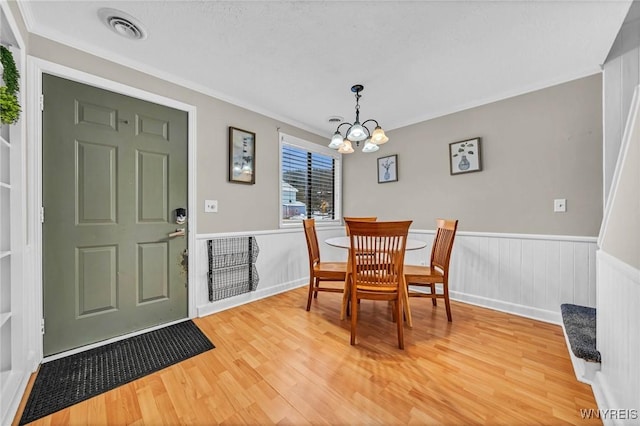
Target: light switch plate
[211,206]
[560,205]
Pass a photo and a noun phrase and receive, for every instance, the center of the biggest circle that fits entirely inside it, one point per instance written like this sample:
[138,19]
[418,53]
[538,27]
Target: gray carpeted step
[580,325]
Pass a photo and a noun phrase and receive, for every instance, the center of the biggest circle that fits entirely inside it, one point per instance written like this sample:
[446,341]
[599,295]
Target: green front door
[114,173]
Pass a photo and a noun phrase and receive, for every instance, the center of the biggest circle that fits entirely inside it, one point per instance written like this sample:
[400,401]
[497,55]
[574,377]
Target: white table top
[345,242]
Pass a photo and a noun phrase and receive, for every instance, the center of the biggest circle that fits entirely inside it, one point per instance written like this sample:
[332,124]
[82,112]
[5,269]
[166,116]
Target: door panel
[152,189]
[114,171]
[96,190]
[96,280]
[153,271]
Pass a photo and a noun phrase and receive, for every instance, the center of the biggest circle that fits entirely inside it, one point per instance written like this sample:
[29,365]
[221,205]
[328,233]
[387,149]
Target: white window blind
[310,182]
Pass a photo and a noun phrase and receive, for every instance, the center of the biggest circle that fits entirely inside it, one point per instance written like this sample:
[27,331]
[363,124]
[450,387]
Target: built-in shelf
[4,317]
[14,369]
[4,378]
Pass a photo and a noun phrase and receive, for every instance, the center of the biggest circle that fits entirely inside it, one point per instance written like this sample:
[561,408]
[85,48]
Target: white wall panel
[525,275]
[529,275]
[617,384]
[282,264]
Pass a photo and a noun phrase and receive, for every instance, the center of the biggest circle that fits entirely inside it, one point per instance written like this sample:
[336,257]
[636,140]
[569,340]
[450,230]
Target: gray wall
[535,147]
[240,207]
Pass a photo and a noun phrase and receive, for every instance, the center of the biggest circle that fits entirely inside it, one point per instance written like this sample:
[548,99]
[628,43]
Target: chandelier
[358,132]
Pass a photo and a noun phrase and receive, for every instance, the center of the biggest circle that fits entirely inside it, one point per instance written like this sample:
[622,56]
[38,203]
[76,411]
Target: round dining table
[345,242]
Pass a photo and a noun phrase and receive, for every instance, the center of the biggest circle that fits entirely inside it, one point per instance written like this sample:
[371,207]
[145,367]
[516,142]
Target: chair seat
[422,274]
[328,270]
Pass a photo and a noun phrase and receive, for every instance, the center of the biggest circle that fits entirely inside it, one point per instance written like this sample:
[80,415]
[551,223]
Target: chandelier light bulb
[346,147]
[356,133]
[369,146]
[378,137]
[336,141]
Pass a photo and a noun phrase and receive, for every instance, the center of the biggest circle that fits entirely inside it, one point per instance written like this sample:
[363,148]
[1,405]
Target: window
[310,177]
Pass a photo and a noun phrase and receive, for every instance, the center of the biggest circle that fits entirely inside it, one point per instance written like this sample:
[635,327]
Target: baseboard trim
[498,305]
[243,299]
[510,308]
[604,399]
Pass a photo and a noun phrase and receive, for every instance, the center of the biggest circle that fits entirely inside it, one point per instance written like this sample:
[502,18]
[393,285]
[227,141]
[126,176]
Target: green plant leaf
[11,76]
[9,106]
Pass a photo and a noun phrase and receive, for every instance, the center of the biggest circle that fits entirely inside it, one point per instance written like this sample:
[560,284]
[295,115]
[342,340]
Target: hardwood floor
[275,362]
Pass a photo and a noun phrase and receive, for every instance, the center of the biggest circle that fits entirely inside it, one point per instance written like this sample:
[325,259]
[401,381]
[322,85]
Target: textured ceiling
[296,61]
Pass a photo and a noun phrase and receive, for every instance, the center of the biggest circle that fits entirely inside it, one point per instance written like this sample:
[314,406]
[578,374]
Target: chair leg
[346,307]
[400,323]
[311,284]
[354,316]
[404,297]
[434,301]
[315,293]
[445,289]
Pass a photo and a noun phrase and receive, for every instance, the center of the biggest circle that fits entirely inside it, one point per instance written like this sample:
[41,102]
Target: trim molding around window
[310,182]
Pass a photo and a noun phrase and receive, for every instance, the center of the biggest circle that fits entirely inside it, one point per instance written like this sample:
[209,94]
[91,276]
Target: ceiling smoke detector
[122,23]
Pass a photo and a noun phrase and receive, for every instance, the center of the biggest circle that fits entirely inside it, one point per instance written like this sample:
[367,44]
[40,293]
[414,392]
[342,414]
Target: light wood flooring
[276,363]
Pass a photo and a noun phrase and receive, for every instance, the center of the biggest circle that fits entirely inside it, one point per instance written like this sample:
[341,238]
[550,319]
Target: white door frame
[35,68]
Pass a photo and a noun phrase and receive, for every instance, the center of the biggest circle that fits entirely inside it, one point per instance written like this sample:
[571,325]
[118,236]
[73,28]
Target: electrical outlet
[211,206]
[560,205]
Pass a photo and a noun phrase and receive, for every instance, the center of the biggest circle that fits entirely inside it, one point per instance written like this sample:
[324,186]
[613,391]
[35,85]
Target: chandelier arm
[342,124]
[371,119]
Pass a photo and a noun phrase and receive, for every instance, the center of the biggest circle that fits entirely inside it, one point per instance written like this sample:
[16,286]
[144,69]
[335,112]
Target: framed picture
[388,169]
[464,156]
[242,156]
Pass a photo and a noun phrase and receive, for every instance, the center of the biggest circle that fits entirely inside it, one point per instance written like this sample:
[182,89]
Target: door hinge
[42,214]
[41,102]
[42,326]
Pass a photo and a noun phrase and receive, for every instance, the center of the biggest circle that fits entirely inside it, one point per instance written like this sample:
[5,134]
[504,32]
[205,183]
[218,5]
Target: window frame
[288,140]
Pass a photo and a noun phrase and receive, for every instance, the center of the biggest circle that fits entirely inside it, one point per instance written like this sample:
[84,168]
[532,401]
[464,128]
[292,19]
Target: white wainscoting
[282,264]
[617,384]
[527,275]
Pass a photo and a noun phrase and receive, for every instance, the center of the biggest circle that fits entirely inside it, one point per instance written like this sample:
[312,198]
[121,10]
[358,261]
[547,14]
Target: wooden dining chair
[438,270]
[321,271]
[358,218]
[378,275]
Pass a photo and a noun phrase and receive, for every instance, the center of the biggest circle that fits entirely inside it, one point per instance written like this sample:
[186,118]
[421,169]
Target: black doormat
[67,381]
